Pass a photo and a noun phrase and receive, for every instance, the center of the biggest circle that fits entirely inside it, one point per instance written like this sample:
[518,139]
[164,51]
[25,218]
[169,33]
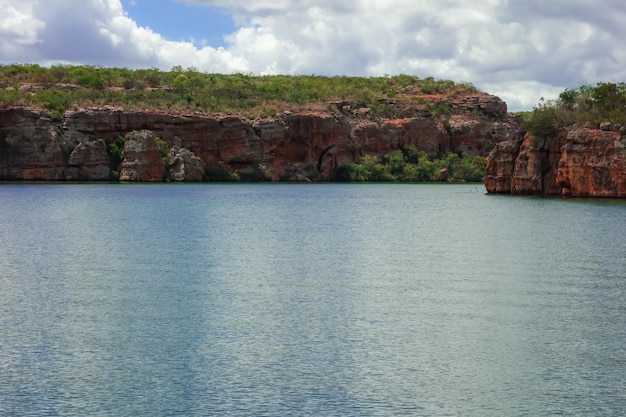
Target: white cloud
[18,28]
[97,32]
[520,50]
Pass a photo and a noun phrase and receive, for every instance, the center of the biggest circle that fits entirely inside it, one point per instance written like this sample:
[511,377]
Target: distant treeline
[62,87]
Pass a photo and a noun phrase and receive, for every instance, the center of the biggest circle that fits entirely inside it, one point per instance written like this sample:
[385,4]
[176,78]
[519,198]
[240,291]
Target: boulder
[88,161]
[184,166]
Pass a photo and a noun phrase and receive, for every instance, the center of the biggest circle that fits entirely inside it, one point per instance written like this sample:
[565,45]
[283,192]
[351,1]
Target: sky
[519,50]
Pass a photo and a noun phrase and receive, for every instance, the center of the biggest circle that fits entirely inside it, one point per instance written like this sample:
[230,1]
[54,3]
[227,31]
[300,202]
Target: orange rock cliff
[307,145]
[301,145]
[580,161]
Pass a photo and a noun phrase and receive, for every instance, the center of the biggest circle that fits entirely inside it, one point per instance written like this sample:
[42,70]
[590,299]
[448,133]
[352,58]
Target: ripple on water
[267,300]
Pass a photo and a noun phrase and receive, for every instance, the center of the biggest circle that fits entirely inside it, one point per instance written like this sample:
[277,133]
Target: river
[309,300]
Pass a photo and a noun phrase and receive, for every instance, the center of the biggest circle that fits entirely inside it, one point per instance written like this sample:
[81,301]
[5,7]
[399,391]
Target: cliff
[578,161]
[303,145]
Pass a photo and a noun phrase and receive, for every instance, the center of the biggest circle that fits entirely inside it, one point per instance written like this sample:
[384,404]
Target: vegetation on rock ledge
[65,87]
[61,88]
[604,102]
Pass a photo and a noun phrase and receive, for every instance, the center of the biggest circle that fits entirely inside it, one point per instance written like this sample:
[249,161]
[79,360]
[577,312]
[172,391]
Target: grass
[65,87]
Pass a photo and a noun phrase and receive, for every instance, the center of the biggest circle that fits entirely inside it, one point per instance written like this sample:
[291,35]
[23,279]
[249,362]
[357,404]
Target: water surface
[321,300]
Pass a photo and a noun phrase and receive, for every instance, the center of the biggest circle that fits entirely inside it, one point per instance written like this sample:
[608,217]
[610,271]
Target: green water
[321,300]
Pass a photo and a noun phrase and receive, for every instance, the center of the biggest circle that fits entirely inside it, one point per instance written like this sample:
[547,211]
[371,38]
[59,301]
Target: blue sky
[182,21]
[519,50]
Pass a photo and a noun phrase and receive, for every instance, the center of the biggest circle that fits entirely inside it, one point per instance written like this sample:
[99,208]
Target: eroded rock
[296,146]
[184,166]
[88,161]
[31,146]
[579,161]
[143,160]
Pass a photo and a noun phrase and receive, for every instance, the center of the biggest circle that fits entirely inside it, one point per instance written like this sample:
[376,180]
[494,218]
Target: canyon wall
[303,145]
[580,161]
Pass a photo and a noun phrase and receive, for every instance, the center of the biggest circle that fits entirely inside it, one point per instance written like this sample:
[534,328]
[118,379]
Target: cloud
[18,29]
[520,50]
[96,32]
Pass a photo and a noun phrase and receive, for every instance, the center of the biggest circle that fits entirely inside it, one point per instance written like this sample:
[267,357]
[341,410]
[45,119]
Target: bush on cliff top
[604,102]
[63,87]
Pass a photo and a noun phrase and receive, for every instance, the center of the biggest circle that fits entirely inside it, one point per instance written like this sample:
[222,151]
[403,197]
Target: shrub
[351,173]
[220,173]
[257,174]
[408,164]
[164,148]
[115,150]
[542,123]
[441,108]
[190,89]
[604,102]
[383,110]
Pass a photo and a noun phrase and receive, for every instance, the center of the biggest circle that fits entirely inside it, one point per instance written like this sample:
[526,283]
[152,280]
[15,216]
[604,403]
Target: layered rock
[479,135]
[579,161]
[593,163]
[184,166]
[88,160]
[501,165]
[31,146]
[293,146]
[143,160]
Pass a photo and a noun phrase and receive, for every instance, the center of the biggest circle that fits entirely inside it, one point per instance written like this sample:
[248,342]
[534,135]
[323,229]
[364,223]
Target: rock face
[31,146]
[88,160]
[142,158]
[293,146]
[593,164]
[184,166]
[579,161]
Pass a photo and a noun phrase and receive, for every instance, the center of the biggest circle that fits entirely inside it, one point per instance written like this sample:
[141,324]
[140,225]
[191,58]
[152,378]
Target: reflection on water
[309,300]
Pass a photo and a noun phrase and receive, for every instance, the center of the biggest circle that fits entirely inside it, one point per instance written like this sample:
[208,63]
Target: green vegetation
[220,173]
[410,165]
[115,150]
[258,174]
[66,87]
[164,148]
[604,102]
[62,87]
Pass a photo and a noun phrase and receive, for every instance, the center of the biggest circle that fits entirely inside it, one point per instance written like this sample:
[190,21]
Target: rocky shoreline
[580,161]
[306,145]
[303,145]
